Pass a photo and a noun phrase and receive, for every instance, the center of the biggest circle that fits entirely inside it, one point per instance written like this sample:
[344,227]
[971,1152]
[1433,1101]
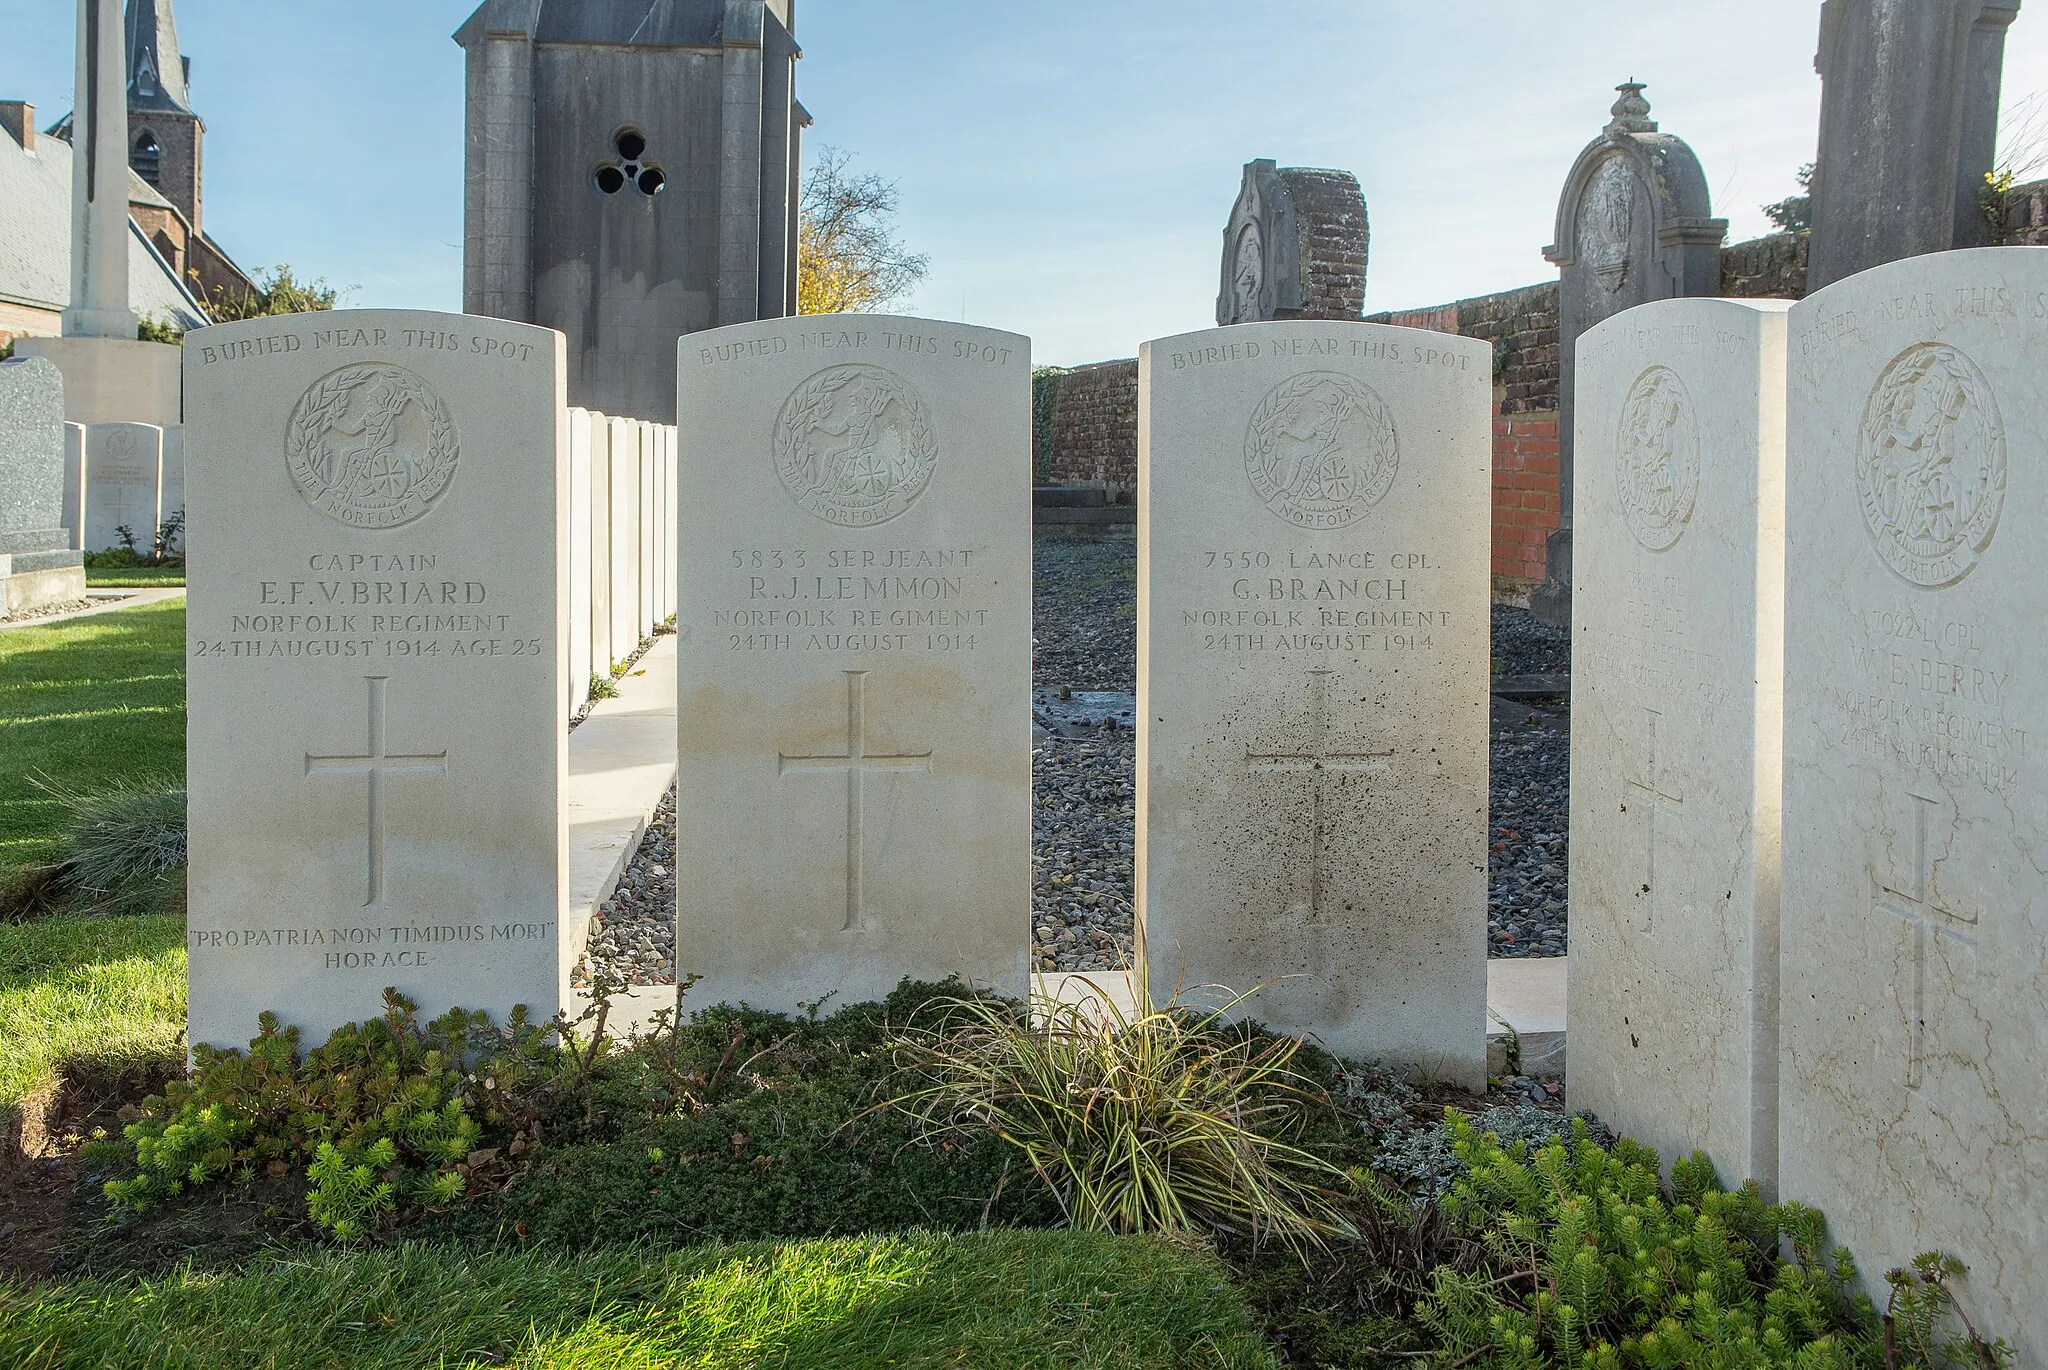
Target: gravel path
[1083,797]
[1525,858]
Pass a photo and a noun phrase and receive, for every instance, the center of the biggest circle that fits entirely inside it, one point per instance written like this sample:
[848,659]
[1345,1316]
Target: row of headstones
[621,542]
[1809,821]
[123,482]
[379,654]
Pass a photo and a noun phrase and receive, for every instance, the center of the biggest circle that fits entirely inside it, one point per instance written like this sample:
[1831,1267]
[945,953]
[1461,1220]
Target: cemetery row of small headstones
[1803,599]
[123,483]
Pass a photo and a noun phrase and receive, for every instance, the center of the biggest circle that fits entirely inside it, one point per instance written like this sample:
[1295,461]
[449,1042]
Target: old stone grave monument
[375,671]
[1908,129]
[1296,246]
[1676,725]
[1312,666]
[1634,224]
[38,565]
[1915,902]
[854,658]
[123,485]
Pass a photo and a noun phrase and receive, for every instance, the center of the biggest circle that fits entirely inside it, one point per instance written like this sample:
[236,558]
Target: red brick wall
[1522,326]
[1094,429]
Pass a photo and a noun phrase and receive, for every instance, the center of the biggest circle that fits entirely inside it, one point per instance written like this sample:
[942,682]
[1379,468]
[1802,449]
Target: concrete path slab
[1526,994]
[622,760]
[105,602]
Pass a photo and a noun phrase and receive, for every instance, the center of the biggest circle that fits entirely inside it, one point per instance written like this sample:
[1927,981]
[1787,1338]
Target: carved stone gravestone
[38,564]
[1296,246]
[1678,644]
[124,473]
[1312,668]
[1908,128]
[1635,224]
[375,669]
[854,657]
[1916,786]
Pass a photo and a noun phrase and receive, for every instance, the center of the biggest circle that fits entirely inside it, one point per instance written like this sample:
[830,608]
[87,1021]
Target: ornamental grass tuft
[1163,1120]
[124,846]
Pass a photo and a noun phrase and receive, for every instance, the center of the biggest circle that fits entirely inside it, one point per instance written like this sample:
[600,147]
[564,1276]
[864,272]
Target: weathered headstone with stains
[1312,677]
[376,667]
[1915,925]
[854,658]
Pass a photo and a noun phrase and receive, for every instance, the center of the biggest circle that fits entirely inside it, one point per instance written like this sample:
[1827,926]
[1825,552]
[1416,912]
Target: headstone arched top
[1636,216]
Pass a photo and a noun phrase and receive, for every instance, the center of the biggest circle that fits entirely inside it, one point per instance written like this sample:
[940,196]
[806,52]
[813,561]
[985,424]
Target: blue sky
[1068,164]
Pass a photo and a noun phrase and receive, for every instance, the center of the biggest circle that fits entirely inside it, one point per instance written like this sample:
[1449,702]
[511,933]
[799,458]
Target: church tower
[631,177]
[164,134]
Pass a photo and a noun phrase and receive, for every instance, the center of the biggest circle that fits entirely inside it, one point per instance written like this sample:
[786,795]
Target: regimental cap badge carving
[1321,450]
[372,446]
[1931,465]
[1657,458]
[855,445]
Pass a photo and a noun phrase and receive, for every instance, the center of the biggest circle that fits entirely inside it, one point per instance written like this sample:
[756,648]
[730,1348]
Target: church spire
[156,68]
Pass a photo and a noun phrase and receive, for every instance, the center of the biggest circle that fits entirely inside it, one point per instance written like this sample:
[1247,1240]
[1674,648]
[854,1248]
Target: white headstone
[376,751]
[600,545]
[650,513]
[172,501]
[665,526]
[1312,679]
[1677,687]
[580,421]
[625,538]
[1915,931]
[74,484]
[854,654]
[124,467]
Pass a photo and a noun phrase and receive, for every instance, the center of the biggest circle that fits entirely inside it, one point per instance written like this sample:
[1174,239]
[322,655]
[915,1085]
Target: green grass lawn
[100,991]
[912,1301]
[85,703]
[134,577]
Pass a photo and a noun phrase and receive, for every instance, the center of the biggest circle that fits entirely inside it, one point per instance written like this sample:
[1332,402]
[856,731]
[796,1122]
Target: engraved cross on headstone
[855,765]
[1660,801]
[1928,921]
[376,763]
[1320,762]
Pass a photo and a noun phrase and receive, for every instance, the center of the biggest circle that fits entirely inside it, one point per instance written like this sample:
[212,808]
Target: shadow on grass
[992,1301]
[85,704]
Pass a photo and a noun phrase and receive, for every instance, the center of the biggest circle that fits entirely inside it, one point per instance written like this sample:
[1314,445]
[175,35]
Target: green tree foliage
[278,291]
[849,259]
[1795,213]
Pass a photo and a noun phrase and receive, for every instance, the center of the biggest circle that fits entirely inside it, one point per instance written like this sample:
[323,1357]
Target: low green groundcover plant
[914,1301]
[733,1124]
[1573,1254]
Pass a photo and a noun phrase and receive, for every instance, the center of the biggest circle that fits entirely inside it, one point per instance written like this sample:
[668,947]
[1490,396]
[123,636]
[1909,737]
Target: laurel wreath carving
[805,411]
[326,404]
[1374,475]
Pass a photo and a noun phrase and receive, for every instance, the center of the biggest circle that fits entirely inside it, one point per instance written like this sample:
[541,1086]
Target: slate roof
[35,238]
